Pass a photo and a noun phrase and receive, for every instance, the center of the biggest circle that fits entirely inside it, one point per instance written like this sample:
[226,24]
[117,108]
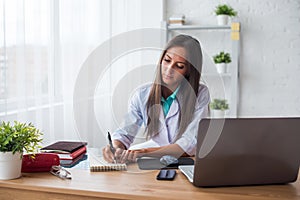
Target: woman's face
[174,67]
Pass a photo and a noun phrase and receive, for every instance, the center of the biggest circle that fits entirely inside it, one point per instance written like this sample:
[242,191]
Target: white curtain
[43,46]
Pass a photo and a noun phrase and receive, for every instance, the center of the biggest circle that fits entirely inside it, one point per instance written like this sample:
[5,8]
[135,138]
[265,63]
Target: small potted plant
[15,140]
[218,107]
[223,12]
[221,60]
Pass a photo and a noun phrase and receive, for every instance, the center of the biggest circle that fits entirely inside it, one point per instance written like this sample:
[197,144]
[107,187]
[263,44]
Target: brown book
[66,150]
[63,147]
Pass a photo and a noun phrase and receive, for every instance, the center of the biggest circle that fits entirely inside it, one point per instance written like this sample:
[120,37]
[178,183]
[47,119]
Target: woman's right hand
[122,155]
[108,154]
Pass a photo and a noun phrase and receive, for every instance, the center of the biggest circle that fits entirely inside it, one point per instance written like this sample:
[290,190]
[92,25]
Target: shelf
[198,27]
[216,74]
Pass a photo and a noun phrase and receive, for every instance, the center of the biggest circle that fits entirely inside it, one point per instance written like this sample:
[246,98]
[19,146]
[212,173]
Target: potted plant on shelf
[14,141]
[223,12]
[218,107]
[221,60]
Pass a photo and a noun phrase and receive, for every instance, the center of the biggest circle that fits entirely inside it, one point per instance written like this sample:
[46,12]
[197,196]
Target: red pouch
[41,163]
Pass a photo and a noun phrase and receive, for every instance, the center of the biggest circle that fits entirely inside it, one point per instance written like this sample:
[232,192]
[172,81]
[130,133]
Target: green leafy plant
[219,104]
[224,9]
[20,137]
[222,57]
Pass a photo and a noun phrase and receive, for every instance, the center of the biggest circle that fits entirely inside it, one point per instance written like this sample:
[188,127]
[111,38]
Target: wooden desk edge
[28,186]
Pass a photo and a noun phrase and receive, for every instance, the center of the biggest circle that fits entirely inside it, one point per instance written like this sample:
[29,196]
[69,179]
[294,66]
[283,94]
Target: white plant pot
[218,113]
[10,165]
[221,68]
[222,20]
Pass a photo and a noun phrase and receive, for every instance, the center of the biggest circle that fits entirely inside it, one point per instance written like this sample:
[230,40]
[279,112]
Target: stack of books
[177,20]
[69,152]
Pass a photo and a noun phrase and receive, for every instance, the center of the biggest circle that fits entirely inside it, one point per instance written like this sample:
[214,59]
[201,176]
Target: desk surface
[132,184]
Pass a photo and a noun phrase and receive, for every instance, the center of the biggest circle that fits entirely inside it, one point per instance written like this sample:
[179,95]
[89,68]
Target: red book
[71,156]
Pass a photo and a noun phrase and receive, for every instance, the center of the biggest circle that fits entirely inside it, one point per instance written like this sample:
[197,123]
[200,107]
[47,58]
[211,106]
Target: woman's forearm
[123,155]
[171,149]
[119,144]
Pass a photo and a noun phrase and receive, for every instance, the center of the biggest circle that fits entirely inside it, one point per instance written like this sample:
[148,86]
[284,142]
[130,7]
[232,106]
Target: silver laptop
[246,151]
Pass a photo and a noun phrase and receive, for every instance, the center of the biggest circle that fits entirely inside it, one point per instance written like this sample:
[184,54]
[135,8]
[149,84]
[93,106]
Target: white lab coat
[137,117]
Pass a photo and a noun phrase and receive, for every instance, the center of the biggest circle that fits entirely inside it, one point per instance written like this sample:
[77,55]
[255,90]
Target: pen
[112,149]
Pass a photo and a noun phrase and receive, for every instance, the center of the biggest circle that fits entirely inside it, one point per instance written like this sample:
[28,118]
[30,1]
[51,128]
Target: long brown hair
[188,91]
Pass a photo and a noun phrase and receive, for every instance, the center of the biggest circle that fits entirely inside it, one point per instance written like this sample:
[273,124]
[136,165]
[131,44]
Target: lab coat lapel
[162,137]
[175,107]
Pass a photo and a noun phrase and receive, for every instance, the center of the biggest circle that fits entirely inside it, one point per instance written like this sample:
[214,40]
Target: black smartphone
[166,174]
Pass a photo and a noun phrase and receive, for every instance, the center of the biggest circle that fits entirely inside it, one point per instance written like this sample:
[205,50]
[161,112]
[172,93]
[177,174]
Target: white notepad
[98,164]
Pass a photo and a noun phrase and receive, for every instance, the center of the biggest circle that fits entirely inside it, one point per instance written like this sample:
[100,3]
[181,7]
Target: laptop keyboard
[188,171]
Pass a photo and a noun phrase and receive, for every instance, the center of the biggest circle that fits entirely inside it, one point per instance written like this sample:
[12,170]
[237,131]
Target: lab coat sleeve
[132,121]
[188,140]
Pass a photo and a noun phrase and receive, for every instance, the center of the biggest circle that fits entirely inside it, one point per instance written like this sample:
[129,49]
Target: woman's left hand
[129,155]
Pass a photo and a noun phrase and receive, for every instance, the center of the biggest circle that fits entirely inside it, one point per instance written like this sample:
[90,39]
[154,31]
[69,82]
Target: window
[43,45]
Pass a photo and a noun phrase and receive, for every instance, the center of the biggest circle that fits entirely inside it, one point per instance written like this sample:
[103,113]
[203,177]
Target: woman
[170,108]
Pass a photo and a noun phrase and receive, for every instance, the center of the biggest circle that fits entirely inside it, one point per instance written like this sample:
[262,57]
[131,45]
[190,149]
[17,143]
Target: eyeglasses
[60,172]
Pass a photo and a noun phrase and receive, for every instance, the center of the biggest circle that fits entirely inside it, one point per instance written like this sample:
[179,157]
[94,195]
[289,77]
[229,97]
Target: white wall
[270,51]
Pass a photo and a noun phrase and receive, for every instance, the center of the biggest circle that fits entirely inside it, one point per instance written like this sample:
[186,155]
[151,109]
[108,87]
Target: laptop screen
[247,151]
